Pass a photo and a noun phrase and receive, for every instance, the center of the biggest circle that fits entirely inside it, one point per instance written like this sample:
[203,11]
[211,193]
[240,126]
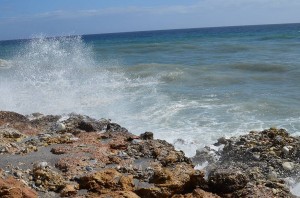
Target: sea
[187,86]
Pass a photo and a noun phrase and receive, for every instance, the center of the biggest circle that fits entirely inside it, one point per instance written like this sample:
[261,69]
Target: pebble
[256,156]
[285,150]
[88,168]
[74,139]
[38,182]
[272,175]
[18,174]
[41,165]
[288,166]
[60,127]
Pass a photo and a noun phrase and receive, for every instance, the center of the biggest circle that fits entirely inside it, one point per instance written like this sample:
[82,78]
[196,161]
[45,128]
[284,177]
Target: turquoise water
[194,84]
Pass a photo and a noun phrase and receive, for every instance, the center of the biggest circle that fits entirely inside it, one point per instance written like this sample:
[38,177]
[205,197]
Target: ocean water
[188,86]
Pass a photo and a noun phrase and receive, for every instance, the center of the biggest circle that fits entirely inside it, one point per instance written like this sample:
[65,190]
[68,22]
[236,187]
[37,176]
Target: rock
[88,168]
[58,150]
[288,166]
[226,180]
[60,127]
[40,165]
[12,188]
[287,149]
[10,133]
[68,191]
[147,136]
[169,181]
[119,194]
[106,181]
[197,193]
[86,126]
[272,175]
[48,179]
[18,174]
[222,140]
[113,127]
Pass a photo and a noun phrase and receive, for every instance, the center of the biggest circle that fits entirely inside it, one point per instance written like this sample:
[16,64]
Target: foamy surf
[5,64]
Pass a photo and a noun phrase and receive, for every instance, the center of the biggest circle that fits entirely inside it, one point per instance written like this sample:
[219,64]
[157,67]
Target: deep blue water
[192,84]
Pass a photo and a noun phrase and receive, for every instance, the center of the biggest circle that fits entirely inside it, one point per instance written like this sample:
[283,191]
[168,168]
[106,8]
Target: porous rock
[106,181]
[12,188]
[226,181]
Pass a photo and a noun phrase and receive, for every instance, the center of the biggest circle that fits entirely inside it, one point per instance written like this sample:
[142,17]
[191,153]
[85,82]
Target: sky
[29,18]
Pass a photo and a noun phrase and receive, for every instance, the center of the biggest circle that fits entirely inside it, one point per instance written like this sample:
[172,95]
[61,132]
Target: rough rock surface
[252,165]
[78,156]
[12,188]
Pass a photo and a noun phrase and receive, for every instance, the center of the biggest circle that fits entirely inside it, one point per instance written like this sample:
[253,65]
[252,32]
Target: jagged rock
[108,161]
[169,181]
[106,181]
[226,180]
[112,127]
[59,150]
[48,179]
[69,190]
[12,188]
[158,149]
[197,193]
[118,194]
[147,136]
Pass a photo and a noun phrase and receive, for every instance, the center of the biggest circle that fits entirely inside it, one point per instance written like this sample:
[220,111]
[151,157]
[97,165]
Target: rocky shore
[78,156]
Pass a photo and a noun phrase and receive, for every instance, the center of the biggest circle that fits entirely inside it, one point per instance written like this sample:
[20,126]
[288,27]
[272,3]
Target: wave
[225,48]
[257,67]
[60,75]
[279,37]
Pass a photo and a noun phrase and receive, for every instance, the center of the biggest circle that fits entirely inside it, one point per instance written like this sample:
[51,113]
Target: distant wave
[280,36]
[258,67]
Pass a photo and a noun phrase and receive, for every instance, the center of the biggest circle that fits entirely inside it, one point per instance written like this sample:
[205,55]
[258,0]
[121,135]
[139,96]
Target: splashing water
[60,75]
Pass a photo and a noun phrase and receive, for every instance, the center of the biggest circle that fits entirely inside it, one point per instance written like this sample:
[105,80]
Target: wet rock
[158,149]
[147,136]
[226,181]
[86,126]
[112,127]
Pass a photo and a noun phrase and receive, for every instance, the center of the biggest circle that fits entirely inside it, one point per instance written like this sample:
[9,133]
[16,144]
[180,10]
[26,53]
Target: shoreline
[78,156]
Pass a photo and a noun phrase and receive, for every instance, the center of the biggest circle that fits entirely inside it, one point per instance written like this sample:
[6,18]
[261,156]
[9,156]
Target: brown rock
[59,150]
[113,194]
[68,190]
[48,179]
[106,181]
[16,121]
[12,188]
[197,193]
[169,181]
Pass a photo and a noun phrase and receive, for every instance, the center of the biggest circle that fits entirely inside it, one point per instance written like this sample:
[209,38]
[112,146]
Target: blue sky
[26,18]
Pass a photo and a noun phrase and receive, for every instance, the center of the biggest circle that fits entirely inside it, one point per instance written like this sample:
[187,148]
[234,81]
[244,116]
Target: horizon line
[140,31]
